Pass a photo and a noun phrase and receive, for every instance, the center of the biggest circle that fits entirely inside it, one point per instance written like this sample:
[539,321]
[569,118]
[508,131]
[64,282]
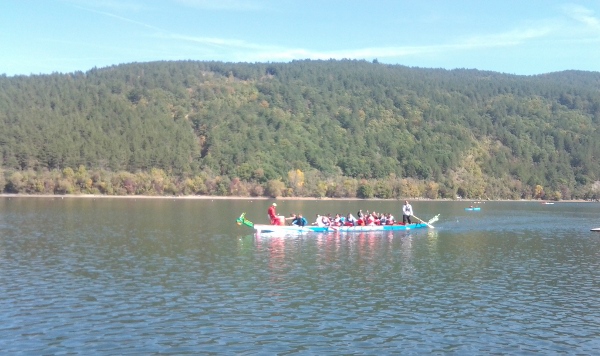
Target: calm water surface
[176,276]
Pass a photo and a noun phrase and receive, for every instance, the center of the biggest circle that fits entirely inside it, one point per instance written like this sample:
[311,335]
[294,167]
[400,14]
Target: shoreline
[218,197]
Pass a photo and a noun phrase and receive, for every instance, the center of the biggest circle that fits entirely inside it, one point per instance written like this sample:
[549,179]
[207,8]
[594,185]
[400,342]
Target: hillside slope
[467,132]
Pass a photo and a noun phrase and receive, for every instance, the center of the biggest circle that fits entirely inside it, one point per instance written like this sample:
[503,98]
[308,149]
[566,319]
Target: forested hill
[306,128]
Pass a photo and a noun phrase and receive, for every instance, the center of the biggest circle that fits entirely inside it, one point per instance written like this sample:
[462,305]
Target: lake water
[109,276]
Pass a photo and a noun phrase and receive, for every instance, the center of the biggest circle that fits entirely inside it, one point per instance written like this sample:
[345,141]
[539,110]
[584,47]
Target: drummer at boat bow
[273,214]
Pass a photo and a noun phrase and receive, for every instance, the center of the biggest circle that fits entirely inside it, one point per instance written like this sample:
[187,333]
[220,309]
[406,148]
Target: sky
[523,37]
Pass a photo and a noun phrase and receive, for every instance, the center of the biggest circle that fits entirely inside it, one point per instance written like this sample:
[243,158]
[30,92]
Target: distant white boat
[547,203]
[597,229]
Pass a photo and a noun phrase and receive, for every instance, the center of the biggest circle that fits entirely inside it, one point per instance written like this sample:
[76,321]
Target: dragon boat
[294,229]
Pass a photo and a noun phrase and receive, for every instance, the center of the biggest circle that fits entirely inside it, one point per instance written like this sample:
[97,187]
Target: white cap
[274,204]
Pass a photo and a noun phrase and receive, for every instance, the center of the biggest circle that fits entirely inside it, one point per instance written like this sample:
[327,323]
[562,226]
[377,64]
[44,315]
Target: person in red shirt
[273,214]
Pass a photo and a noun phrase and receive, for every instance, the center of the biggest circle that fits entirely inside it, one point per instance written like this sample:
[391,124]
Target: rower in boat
[299,221]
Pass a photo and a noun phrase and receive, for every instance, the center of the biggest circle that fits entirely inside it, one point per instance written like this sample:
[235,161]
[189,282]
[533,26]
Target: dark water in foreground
[165,276]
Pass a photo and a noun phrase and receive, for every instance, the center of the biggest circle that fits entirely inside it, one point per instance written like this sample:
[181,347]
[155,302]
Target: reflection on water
[143,277]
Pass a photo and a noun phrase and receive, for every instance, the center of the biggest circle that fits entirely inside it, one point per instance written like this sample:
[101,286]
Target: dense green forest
[307,128]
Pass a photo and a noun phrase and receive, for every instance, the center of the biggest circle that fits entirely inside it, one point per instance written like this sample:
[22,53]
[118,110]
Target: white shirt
[407,209]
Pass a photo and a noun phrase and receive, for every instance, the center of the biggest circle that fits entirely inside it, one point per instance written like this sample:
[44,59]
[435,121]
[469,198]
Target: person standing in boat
[273,214]
[407,212]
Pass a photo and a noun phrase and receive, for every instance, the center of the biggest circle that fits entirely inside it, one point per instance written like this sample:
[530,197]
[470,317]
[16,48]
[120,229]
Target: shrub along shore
[297,184]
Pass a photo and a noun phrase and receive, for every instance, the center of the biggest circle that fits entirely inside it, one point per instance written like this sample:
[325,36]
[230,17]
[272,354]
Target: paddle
[424,222]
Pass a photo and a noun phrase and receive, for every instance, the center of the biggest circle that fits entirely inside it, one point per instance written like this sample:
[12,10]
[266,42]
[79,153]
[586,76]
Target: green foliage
[238,129]
[275,188]
[365,190]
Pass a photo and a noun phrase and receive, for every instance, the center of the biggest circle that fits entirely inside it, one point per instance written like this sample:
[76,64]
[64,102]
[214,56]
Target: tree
[296,181]
[432,190]
[274,188]
[365,190]
[538,192]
